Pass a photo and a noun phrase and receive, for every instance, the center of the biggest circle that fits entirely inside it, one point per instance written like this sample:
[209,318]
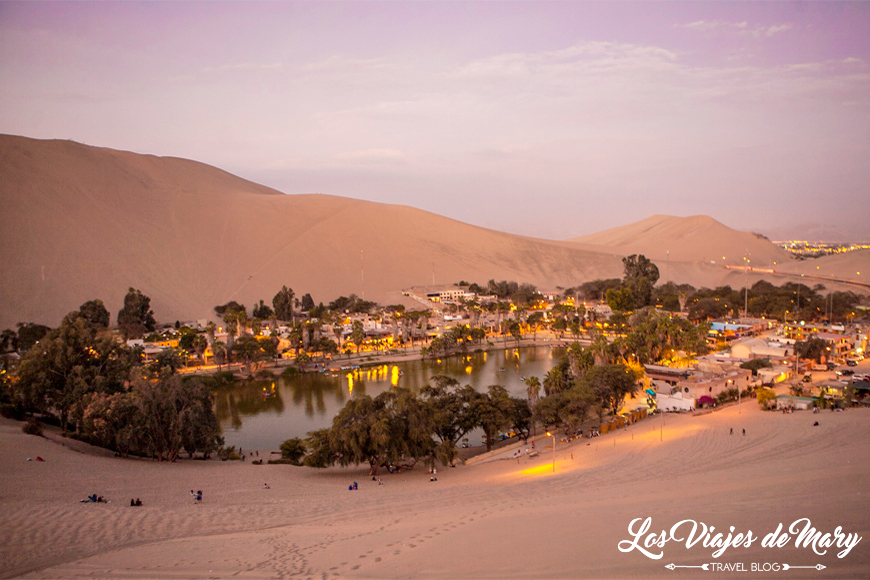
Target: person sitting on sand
[138,502]
[265,486]
[198,497]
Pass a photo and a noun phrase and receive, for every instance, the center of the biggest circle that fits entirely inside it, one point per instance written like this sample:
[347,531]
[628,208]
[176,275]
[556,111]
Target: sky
[547,119]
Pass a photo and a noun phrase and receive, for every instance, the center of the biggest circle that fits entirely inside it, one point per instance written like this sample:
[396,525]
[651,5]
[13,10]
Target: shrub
[766,396]
[32,427]
[12,411]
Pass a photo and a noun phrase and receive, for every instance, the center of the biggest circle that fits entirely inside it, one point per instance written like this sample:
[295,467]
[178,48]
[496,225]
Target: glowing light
[349,384]
[538,470]
[468,370]
[394,377]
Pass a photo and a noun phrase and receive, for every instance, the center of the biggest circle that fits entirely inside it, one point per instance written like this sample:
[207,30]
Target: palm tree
[533,389]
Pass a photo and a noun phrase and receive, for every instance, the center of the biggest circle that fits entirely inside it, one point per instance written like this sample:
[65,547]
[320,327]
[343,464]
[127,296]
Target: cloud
[741,28]
[777,28]
[243,66]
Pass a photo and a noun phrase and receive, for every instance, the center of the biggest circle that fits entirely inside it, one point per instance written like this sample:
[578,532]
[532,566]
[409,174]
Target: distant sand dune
[81,222]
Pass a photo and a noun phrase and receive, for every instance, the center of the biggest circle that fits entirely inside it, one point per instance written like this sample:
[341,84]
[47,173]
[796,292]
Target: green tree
[533,389]
[262,311]
[70,362]
[357,334]
[756,365]
[283,304]
[392,428]
[29,334]
[94,311]
[493,412]
[293,450]
[452,411]
[813,348]
[610,384]
[136,318]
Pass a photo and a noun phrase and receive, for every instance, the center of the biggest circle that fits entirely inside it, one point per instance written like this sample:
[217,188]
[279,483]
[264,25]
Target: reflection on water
[263,414]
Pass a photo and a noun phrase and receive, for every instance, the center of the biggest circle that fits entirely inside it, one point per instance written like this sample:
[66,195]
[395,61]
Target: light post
[554,450]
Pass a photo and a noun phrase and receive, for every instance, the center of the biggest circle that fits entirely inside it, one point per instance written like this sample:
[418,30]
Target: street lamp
[554,450]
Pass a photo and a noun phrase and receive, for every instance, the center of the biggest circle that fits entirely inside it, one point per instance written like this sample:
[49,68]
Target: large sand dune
[501,519]
[81,222]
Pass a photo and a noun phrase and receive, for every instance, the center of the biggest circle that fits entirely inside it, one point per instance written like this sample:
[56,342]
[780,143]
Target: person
[198,496]
[350,487]
[816,424]
[355,487]
[138,502]
[132,502]
[732,431]
[265,486]
[744,431]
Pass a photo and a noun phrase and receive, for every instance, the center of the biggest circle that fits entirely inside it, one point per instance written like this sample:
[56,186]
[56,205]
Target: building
[751,348]
[793,402]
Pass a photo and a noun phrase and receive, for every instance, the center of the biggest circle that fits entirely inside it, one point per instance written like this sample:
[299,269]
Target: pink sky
[546,119]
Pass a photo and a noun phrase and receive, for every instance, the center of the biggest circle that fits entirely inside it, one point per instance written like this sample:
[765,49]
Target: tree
[533,390]
[175,415]
[283,304]
[756,365]
[29,334]
[357,334]
[451,407]
[813,348]
[248,350]
[393,427]
[493,413]
[70,362]
[293,450]
[621,299]
[262,311]
[639,266]
[609,385]
[94,311]
[199,344]
[307,303]
[136,317]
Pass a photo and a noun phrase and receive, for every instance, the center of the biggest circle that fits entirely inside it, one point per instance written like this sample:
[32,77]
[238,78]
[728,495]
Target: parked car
[846,372]
[852,363]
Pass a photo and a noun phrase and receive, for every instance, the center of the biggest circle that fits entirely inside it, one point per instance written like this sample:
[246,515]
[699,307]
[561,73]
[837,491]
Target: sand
[500,518]
[82,222]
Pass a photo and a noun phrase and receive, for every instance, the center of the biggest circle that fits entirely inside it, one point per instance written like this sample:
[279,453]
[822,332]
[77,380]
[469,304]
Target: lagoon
[263,414]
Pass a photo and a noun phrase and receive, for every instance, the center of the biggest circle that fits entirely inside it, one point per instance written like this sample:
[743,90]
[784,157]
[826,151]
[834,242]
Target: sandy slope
[502,519]
[686,239]
[81,222]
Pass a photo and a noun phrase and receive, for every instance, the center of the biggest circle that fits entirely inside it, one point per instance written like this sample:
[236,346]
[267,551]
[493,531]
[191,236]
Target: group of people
[94,499]
[353,486]
[732,431]
[197,496]
[136,502]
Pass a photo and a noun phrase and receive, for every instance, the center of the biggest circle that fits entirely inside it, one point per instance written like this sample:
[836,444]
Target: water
[264,414]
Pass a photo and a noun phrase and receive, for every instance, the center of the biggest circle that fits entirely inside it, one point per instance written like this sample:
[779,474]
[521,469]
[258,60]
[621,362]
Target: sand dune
[500,519]
[695,238]
[81,222]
